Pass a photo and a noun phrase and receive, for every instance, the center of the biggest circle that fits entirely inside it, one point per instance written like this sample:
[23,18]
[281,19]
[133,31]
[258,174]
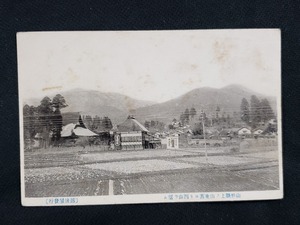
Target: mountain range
[228,99]
[117,106]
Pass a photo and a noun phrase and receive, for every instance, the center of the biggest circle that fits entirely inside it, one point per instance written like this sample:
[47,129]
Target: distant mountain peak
[226,88]
[227,98]
[236,86]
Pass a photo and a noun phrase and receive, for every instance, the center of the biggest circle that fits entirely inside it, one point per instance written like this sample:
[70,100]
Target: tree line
[257,112]
[187,116]
[97,123]
[155,125]
[191,116]
[45,119]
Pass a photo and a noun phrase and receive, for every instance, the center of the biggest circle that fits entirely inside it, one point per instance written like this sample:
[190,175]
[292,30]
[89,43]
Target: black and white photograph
[119,117]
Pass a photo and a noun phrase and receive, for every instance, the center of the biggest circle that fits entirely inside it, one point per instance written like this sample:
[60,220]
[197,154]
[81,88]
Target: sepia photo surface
[117,117]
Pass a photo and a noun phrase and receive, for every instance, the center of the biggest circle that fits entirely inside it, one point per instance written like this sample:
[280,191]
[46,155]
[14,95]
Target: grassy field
[74,172]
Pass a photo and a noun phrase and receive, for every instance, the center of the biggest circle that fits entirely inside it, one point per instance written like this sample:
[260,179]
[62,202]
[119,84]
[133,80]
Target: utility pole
[202,117]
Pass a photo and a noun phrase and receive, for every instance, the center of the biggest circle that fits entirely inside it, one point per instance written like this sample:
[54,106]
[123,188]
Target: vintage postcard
[119,117]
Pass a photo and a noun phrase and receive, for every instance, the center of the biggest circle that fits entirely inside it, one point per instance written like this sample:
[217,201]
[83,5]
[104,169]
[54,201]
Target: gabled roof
[244,127]
[72,128]
[224,132]
[67,130]
[234,129]
[80,131]
[259,128]
[131,124]
[73,118]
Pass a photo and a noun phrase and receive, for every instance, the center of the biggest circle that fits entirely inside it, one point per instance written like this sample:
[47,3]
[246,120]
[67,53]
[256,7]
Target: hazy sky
[148,65]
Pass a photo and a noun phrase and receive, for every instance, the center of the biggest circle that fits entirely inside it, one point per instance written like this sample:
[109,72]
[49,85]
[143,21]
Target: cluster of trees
[198,126]
[155,125]
[222,120]
[98,123]
[187,116]
[45,119]
[258,111]
[217,118]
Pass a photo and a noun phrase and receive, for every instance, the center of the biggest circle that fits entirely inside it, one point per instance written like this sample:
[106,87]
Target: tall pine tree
[106,123]
[45,110]
[182,119]
[266,110]
[58,103]
[193,112]
[245,111]
[255,111]
[29,122]
[187,115]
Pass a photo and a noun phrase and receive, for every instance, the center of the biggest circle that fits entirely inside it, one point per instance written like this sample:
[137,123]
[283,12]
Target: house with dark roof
[131,125]
[132,135]
[101,134]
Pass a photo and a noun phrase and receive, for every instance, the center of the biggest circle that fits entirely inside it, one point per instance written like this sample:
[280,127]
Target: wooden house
[132,135]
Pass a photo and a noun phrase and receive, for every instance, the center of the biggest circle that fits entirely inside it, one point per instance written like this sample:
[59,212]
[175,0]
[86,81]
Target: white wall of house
[172,142]
[131,140]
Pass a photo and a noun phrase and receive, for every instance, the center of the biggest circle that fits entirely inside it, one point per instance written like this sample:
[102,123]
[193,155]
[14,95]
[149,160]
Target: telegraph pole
[202,117]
